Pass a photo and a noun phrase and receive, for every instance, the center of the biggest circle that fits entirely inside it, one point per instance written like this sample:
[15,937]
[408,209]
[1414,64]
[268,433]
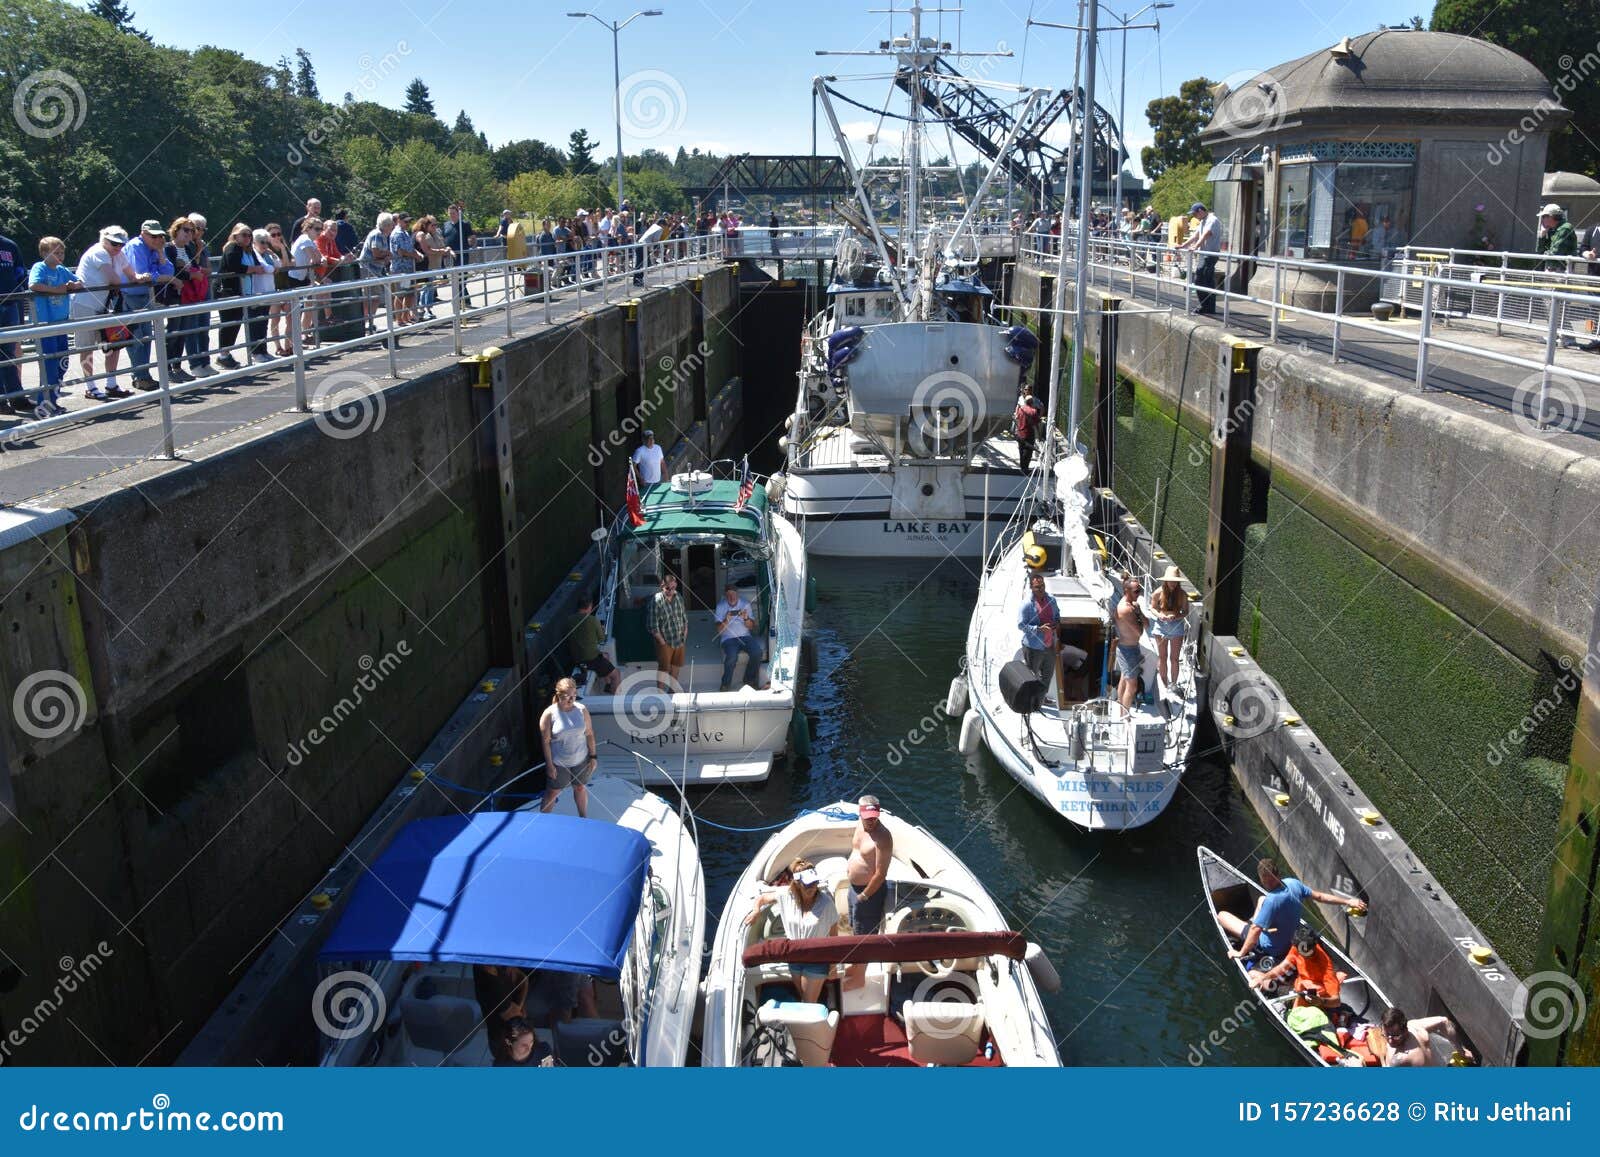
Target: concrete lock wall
[1417,580]
[261,641]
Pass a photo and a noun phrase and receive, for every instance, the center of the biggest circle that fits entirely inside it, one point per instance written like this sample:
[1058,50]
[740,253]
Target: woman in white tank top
[568,736]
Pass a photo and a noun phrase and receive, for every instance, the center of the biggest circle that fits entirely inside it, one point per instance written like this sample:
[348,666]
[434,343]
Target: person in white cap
[1557,237]
[808,912]
[102,270]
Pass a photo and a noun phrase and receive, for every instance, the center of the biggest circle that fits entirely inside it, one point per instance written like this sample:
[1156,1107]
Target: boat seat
[811,1027]
[591,1043]
[442,1029]
[942,1032]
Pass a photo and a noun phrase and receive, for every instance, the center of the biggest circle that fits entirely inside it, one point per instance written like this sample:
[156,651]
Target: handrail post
[1549,362]
[388,323]
[1188,280]
[455,308]
[164,375]
[297,344]
[1277,291]
[1227,272]
[508,300]
[1338,309]
[1424,333]
[544,284]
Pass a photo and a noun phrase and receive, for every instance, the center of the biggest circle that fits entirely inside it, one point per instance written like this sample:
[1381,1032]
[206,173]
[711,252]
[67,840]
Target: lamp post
[616,76]
[1125,22]
[1122,95]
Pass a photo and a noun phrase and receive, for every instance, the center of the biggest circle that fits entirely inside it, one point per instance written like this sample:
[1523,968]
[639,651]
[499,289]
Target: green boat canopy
[669,511]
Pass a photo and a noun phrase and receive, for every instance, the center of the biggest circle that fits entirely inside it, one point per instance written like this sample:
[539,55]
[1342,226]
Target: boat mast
[1085,190]
[908,220]
[1058,303]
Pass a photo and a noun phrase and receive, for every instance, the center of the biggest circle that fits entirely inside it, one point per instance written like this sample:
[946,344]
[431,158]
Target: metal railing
[391,307]
[1162,273]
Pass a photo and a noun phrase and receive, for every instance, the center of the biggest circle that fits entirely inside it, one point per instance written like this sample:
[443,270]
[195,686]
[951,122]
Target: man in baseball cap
[871,849]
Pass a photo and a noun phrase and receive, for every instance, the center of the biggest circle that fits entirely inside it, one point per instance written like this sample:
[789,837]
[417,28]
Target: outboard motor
[1021,688]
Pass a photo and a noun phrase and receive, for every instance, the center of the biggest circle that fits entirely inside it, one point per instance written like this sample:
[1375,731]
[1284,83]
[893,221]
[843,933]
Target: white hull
[1090,762]
[923,874]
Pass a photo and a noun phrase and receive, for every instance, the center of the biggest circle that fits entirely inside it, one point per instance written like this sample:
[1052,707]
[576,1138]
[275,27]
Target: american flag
[635,512]
[747,485]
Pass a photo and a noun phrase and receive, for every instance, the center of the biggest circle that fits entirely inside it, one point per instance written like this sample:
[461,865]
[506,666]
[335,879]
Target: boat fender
[971,733]
[775,488]
[955,702]
[808,655]
[800,734]
[783,443]
[1020,688]
[1080,738]
[811,593]
[1043,972]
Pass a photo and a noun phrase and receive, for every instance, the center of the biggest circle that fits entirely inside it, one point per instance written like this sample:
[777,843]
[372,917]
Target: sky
[733,75]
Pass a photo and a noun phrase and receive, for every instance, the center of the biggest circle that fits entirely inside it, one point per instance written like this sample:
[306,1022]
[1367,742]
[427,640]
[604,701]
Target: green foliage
[1178,121]
[1178,188]
[580,153]
[1546,33]
[649,191]
[418,99]
[539,194]
[118,15]
[527,156]
[305,76]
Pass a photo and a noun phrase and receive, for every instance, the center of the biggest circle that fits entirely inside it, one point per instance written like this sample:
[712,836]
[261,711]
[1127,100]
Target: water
[1121,916]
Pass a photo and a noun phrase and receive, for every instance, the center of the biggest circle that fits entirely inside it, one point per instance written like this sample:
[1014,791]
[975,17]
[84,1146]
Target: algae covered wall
[1414,696]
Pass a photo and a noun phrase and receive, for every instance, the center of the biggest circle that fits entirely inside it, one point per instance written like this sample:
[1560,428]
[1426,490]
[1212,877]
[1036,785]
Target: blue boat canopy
[539,891]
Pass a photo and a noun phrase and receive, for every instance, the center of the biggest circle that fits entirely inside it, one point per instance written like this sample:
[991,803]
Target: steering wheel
[915,913]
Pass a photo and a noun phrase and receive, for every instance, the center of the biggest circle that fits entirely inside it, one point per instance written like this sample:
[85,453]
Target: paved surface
[56,467]
[1503,393]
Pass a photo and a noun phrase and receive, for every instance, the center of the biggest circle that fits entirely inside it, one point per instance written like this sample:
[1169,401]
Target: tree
[418,100]
[527,156]
[1179,187]
[464,124]
[1178,121]
[305,76]
[540,194]
[118,15]
[1543,32]
[650,191]
[580,153]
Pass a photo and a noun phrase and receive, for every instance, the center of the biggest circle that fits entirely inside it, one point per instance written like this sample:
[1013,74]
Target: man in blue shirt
[146,255]
[1271,930]
[1038,619]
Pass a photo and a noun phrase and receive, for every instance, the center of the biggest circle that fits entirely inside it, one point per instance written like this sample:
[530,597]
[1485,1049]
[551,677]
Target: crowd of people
[120,277]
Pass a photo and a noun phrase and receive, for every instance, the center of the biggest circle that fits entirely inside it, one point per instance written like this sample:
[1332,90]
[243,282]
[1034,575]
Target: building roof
[1391,77]
[1562,184]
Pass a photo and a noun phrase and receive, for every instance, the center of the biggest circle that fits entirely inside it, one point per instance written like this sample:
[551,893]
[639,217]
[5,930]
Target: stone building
[1394,137]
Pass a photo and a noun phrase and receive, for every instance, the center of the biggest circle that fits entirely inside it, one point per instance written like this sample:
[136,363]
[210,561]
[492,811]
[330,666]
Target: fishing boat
[1065,734]
[710,529]
[946,983]
[1227,889]
[618,898]
[900,443]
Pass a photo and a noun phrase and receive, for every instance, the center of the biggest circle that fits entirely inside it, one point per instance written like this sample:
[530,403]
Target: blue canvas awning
[540,891]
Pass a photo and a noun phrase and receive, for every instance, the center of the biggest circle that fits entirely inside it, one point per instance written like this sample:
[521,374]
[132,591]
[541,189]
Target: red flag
[635,511]
[747,486]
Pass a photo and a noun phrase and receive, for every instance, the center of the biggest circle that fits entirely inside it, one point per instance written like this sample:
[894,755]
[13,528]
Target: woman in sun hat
[1171,604]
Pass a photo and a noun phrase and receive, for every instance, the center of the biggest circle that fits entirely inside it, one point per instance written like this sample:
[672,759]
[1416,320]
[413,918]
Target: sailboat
[899,444]
[1067,737]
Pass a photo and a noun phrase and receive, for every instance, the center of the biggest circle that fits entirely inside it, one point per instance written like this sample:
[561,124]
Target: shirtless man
[871,848]
[1130,627]
[1409,1042]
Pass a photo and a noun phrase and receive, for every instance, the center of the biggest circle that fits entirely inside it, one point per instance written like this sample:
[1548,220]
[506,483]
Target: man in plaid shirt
[668,622]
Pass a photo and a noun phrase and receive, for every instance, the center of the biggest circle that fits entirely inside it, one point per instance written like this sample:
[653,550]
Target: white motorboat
[697,528]
[946,983]
[618,897]
[900,443]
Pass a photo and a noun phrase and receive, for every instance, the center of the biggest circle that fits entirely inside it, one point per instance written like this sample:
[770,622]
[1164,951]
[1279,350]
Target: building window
[1347,212]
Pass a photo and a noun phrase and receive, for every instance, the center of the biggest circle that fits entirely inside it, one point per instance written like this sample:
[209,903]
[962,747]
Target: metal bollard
[164,375]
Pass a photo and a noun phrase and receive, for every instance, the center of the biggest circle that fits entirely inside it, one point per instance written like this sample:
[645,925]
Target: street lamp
[616,76]
[1122,94]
